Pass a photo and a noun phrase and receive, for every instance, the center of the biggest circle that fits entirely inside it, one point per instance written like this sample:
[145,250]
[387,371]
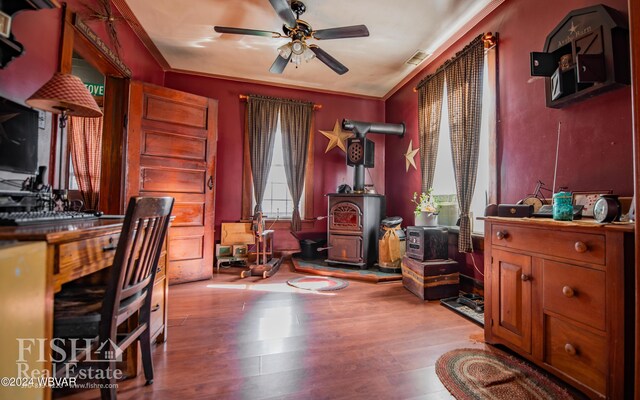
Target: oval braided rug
[318,283]
[473,374]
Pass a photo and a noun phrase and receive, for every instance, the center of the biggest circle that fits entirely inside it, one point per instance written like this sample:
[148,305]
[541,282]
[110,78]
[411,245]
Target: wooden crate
[431,280]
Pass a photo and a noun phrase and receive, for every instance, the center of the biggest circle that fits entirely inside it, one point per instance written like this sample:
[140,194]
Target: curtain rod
[490,41]
[245,97]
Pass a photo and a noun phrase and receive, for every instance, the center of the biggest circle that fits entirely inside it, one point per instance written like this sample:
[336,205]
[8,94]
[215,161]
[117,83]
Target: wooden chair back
[135,262]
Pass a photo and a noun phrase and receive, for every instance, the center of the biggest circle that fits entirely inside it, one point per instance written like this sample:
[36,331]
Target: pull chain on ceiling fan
[299,32]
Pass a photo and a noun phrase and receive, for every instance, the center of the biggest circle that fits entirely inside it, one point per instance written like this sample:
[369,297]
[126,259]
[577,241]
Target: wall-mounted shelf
[586,54]
[10,48]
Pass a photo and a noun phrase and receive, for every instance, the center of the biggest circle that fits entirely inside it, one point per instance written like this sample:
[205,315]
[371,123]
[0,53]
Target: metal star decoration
[104,13]
[410,155]
[573,29]
[337,137]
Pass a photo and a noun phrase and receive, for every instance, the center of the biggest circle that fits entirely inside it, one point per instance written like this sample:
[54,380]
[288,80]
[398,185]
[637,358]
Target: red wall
[40,31]
[330,169]
[596,140]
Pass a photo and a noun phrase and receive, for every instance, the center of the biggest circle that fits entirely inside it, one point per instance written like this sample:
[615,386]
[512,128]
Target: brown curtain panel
[295,124]
[429,115]
[85,140]
[464,95]
[262,121]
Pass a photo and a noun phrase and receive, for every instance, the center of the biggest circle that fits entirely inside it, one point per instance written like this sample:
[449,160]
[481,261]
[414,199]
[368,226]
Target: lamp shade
[65,93]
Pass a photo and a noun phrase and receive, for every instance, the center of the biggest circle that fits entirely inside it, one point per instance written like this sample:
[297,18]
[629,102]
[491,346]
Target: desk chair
[97,312]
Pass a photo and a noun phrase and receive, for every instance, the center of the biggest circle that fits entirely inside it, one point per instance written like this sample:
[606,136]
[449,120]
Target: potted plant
[426,211]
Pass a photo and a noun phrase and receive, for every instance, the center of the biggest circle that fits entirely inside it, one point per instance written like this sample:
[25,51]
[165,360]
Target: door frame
[116,103]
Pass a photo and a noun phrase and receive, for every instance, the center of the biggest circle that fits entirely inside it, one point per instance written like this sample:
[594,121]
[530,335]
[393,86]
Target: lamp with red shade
[65,94]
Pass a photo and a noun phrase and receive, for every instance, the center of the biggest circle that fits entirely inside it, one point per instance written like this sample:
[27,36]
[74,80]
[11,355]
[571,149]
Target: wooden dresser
[561,295]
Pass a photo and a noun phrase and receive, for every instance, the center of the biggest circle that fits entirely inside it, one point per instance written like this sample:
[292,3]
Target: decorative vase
[426,219]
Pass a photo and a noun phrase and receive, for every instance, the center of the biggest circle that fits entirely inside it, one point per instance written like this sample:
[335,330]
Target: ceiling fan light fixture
[297,47]
[285,50]
[308,55]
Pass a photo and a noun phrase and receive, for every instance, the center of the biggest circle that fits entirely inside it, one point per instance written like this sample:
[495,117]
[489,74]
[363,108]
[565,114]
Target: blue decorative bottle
[562,206]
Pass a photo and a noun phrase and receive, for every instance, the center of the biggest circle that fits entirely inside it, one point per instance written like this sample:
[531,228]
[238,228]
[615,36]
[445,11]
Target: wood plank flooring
[232,338]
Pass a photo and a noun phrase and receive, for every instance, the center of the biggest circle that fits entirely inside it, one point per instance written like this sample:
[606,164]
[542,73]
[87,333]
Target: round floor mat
[318,283]
[477,374]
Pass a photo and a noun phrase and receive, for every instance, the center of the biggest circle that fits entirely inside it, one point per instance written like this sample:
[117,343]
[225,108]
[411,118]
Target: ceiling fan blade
[283,9]
[279,65]
[242,31]
[330,61]
[342,32]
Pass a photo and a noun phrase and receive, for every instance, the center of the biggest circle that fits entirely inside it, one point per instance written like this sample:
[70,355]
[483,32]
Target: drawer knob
[525,277]
[580,247]
[570,349]
[567,291]
[501,235]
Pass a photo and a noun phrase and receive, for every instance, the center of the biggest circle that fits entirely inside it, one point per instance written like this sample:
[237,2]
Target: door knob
[525,277]
[210,182]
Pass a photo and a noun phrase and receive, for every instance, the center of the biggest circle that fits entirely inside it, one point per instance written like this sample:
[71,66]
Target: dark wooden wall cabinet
[586,54]
[10,48]
[561,295]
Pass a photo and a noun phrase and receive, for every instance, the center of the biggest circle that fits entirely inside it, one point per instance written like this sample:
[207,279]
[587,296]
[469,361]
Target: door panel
[511,302]
[175,110]
[172,180]
[171,151]
[188,214]
[163,144]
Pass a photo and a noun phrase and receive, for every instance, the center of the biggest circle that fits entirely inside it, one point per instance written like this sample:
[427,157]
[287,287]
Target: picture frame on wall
[588,200]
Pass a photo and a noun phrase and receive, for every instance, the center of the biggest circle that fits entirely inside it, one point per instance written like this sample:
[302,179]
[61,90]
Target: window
[444,183]
[277,202]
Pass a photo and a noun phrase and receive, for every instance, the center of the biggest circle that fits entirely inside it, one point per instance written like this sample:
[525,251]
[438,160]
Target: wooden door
[171,151]
[511,298]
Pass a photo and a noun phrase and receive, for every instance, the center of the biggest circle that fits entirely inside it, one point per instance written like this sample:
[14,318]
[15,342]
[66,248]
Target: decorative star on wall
[337,137]
[101,11]
[410,155]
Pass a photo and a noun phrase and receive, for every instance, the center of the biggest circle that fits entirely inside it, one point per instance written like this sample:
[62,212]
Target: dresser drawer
[82,257]
[161,270]
[157,306]
[574,292]
[577,246]
[577,353]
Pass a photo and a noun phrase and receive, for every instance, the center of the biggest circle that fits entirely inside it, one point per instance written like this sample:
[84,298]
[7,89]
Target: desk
[24,309]
[78,248]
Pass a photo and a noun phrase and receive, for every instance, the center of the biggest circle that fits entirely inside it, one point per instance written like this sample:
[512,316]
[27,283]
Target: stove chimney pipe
[361,128]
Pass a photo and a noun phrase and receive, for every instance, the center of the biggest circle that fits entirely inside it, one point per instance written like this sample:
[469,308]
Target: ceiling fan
[299,32]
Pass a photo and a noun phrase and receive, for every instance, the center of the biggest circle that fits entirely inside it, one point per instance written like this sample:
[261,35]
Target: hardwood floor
[232,338]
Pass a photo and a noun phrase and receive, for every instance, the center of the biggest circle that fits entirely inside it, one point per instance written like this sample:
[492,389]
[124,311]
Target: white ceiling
[183,32]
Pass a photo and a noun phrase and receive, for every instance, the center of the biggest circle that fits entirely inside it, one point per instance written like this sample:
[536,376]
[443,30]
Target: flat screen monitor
[18,137]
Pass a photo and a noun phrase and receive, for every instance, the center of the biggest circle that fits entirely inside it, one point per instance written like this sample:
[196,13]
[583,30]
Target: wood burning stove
[354,220]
